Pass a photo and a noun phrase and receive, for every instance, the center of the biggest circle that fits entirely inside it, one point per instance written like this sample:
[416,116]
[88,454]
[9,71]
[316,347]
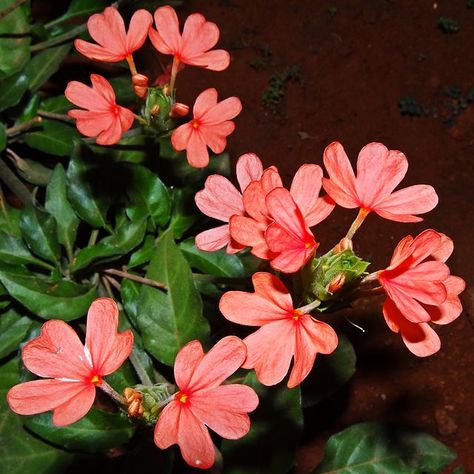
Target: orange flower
[103,118]
[73,370]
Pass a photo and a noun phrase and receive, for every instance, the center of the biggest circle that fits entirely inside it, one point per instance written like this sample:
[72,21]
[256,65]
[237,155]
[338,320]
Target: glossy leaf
[81,8]
[32,171]
[3,137]
[169,319]
[39,231]
[53,137]
[148,196]
[45,64]
[14,251]
[377,447]
[13,330]
[329,373]
[12,90]
[59,207]
[126,237]
[277,423]
[183,214]
[143,254]
[14,39]
[20,451]
[97,431]
[64,300]
[57,104]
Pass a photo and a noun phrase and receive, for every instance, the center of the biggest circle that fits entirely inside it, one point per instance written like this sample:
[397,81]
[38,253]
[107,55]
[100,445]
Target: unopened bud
[344,244]
[179,110]
[140,91]
[140,80]
[166,89]
[155,110]
[134,401]
[336,283]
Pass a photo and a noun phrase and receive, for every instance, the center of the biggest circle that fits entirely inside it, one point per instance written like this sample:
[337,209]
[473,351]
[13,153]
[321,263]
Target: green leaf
[97,431]
[30,110]
[377,447]
[53,137]
[270,446]
[45,64]
[130,293]
[127,236]
[57,104]
[13,251]
[59,207]
[39,231]
[87,200]
[329,373]
[64,300]
[12,90]
[31,171]
[168,320]
[81,8]
[217,263]
[143,254]
[148,196]
[21,452]
[14,39]
[184,211]
[13,330]
[3,137]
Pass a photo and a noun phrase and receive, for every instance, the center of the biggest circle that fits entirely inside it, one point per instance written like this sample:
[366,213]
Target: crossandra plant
[107,222]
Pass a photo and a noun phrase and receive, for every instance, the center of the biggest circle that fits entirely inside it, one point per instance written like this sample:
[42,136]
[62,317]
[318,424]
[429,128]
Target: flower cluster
[99,114]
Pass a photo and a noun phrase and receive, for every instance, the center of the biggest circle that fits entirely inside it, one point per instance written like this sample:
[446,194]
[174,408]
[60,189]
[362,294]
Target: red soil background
[356,65]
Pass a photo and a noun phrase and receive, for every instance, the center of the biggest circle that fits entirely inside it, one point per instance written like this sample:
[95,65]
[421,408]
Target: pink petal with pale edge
[451,308]
[137,33]
[108,30]
[199,35]
[222,111]
[444,250]
[250,233]
[98,53]
[216,60]
[249,168]
[166,39]
[213,239]
[75,408]
[205,101]
[187,361]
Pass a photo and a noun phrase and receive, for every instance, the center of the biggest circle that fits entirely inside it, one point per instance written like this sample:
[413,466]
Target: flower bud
[336,283]
[140,80]
[155,110]
[179,110]
[344,244]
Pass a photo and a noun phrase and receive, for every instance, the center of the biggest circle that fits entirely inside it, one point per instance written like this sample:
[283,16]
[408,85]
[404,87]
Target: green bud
[157,110]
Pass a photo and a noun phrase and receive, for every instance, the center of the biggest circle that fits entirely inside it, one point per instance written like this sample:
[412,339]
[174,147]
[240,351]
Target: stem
[54,116]
[59,39]
[23,126]
[7,10]
[140,119]
[137,278]
[363,213]
[113,282]
[93,237]
[112,393]
[309,307]
[15,185]
[174,73]
[107,286]
[131,65]
[139,369]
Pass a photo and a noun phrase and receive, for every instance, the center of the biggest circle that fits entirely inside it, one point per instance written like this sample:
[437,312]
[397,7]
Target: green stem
[4,209]
[93,237]
[7,10]
[23,126]
[140,369]
[54,116]
[59,39]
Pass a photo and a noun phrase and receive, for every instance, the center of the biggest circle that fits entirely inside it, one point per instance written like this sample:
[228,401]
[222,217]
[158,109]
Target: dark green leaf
[124,93]
[81,8]
[58,104]
[97,431]
[12,90]
[130,293]
[21,452]
[376,447]
[127,236]
[59,207]
[45,64]
[143,254]
[131,149]
[50,300]
[53,137]
[168,320]
[88,202]
[3,137]
[329,373]
[31,171]
[14,39]
[13,251]
[148,196]
[39,231]
[184,211]
[29,112]
[270,446]
[13,330]
[217,263]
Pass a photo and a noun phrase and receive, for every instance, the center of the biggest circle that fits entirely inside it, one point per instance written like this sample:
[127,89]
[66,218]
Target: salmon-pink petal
[194,441]
[270,349]
[138,29]
[225,110]
[196,151]
[187,361]
[108,29]
[271,179]
[215,60]
[75,408]
[213,239]
[199,35]
[111,135]
[306,186]
[401,252]
[205,101]
[215,135]
[166,429]
[248,168]
[253,200]
[99,53]
[379,171]
[250,233]
[233,247]
[425,291]
[181,136]
[126,118]
[103,87]
[166,39]
[270,287]
[86,97]
[39,396]
[444,250]
[293,259]
[219,199]
[452,307]
[224,409]
[341,186]
[57,352]
[220,362]
[107,347]
[416,199]
[406,218]
[323,207]
[408,306]
[90,123]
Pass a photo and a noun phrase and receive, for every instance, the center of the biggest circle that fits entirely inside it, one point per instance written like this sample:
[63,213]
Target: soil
[357,59]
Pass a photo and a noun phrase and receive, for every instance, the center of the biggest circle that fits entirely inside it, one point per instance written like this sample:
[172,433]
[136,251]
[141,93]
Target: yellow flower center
[182,397]
[195,123]
[297,314]
[96,379]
